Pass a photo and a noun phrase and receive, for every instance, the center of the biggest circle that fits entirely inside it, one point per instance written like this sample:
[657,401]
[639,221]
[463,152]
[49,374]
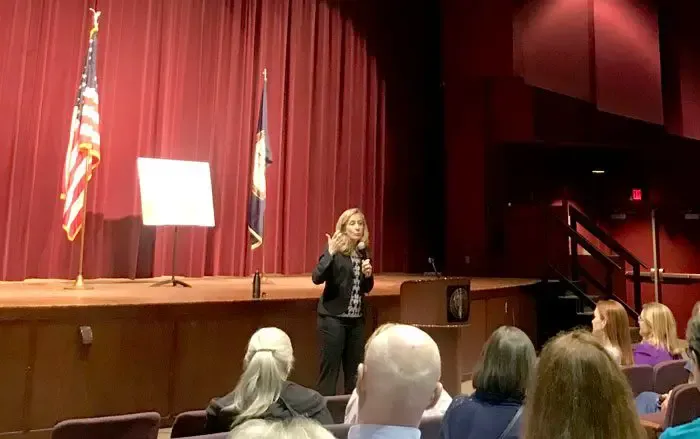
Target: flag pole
[79,283]
[264,279]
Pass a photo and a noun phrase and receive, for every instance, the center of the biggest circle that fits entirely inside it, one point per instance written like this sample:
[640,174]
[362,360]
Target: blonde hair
[348,246]
[293,428]
[266,366]
[579,392]
[616,331]
[660,328]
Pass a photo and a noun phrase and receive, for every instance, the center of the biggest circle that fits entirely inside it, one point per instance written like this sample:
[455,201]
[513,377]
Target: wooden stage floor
[52,293]
[126,347]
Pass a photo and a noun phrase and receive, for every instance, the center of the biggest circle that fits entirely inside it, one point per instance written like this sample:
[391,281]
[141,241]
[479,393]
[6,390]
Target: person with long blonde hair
[346,270]
[692,429]
[611,328]
[262,391]
[652,402]
[578,392]
[660,342]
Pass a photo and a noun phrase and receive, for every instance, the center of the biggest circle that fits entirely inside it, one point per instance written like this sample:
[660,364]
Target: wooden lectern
[440,307]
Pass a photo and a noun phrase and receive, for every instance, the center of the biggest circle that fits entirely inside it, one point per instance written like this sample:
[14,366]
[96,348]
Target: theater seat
[669,374]
[223,435]
[640,377]
[132,426]
[340,431]
[683,407]
[336,405]
[189,424]
[430,427]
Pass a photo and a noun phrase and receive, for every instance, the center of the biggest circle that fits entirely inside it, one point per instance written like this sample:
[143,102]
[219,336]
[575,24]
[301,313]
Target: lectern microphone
[435,272]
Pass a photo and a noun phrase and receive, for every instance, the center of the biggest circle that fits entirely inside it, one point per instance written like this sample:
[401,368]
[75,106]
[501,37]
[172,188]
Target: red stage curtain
[181,79]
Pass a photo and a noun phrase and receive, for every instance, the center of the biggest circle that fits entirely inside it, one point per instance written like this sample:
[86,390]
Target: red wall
[566,72]
[627,59]
[470,74]
[605,52]
[681,46]
[552,46]
[679,241]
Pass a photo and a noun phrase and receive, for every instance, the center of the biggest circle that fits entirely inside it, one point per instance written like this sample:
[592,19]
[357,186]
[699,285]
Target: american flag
[83,153]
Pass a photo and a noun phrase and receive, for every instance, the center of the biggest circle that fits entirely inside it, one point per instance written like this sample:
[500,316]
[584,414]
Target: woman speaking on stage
[346,270]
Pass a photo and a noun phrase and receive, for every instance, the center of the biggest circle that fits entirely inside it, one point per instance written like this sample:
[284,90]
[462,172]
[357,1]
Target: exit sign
[636,195]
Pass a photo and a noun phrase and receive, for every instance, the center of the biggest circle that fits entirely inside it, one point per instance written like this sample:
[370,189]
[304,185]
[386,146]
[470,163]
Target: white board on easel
[175,192]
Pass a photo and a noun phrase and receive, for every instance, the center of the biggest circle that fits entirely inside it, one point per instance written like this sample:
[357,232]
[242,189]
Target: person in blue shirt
[493,411]
[691,429]
[398,380]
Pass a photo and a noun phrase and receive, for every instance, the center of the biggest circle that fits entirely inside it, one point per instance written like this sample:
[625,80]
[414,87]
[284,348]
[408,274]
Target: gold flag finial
[95,18]
[265,75]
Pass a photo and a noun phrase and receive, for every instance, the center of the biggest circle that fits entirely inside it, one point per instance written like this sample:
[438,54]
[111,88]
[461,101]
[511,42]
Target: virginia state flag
[262,158]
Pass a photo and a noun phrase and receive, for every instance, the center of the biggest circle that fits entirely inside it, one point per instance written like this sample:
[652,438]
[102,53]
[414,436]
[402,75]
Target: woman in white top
[611,328]
[351,409]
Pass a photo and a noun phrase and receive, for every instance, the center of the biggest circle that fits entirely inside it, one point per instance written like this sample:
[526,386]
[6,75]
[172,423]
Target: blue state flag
[262,158]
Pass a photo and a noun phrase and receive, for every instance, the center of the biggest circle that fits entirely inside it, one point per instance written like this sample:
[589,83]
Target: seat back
[132,426]
[430,427]
[340,431]
[669,374]
[223,435]
[683,405]
[640,377]
[336,405]
[189,424]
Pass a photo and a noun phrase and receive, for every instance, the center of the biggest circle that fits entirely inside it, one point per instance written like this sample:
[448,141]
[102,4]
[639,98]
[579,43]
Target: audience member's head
[692,335]
[507,363]
[267,364]
[379,330]
[611,328]
[657,326]
[294,428]
[399,378]
[696,309]
[579,393]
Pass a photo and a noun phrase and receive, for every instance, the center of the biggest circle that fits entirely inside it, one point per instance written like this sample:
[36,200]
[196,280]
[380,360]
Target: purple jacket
[645,353]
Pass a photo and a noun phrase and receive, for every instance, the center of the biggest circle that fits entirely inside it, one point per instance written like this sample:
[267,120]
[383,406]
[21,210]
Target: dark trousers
[342,340]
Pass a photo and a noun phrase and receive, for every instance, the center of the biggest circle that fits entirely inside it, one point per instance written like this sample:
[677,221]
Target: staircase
[568,294]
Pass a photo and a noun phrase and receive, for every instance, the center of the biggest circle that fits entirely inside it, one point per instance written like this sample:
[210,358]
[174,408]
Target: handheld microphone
[362,250]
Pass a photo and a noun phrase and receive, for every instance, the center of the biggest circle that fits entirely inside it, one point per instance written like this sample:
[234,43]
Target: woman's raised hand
[335,242]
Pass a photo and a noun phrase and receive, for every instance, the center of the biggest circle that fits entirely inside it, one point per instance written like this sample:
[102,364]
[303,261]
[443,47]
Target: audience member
[262,390]
[293,428]
[579,393]
[692,335]
[611,328]
[657,326]
[652,402]
[501,378]
[351,409]
[398,381]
